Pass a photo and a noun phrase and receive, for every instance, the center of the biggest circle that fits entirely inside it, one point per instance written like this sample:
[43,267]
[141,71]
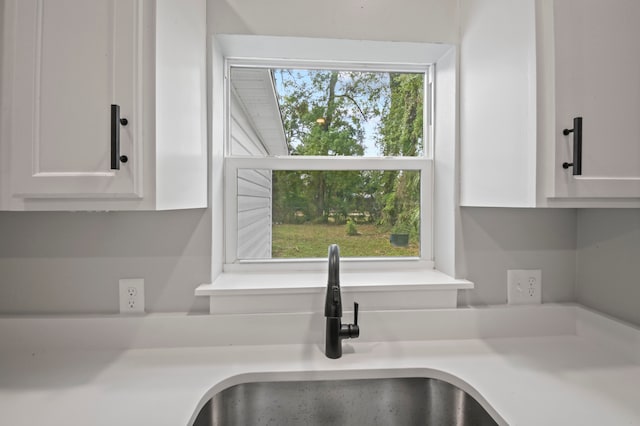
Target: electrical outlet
[132,296]
[524,286]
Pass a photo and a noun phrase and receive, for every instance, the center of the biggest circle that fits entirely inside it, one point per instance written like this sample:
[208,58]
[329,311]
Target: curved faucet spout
[334,265]
[335,330]
[333,300]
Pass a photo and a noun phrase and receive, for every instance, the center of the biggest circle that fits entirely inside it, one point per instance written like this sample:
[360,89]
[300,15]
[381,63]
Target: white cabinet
[65,63]
[497,103]
[597,77]
[527,69]
[72,60]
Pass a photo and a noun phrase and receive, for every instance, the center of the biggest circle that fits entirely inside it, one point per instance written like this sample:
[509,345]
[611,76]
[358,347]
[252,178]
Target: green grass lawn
[297,241]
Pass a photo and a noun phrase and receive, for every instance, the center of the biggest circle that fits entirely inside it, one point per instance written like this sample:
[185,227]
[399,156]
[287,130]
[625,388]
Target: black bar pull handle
[577,146]
[116,122]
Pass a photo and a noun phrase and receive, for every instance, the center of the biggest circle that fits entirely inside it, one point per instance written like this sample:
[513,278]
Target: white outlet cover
[524,286]
[131,295]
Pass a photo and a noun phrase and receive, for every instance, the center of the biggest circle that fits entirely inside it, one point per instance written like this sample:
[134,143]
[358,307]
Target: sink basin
[394,401]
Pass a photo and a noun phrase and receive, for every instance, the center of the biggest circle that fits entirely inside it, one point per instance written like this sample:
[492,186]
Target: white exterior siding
[254,189]
[244,139]
[254,214]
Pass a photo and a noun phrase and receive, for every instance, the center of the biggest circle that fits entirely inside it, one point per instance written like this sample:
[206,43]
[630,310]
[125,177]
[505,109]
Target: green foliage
[324,114]
[342,99]
[318,195]
[351,228]
[401,133]
[289,199]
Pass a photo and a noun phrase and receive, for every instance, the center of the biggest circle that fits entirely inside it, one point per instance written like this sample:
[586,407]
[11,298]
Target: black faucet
[336,331]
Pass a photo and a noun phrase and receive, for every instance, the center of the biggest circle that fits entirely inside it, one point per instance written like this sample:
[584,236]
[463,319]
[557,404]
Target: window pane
[326,112]
[287,214]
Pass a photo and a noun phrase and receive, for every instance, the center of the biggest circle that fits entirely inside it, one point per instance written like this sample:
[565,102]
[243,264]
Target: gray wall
[67,262]
[63,262]
[608,262]
[496,239]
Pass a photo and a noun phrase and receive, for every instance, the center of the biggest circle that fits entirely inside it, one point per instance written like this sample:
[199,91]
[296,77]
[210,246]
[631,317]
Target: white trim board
[297,291]
[334,50]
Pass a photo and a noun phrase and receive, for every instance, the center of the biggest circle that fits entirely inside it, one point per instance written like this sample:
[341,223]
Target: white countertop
[552,380]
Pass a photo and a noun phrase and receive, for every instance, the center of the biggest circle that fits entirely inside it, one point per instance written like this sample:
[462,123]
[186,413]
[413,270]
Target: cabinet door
[598,78]
[71,60]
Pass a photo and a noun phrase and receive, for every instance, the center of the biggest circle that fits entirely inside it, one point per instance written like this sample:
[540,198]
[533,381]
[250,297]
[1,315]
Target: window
[322,152]
[258,180]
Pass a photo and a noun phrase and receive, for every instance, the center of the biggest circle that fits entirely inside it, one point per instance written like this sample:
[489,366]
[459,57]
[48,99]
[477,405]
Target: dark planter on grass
[399,240]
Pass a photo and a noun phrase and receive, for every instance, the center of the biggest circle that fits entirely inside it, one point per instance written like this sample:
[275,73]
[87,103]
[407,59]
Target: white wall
[215,82]
[4,154]
[608,262]
[445,196]
[400,20]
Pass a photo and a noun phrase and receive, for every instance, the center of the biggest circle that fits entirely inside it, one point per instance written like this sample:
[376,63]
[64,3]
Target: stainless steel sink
[395,401]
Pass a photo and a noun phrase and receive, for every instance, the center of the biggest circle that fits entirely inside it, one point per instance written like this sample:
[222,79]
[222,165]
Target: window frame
[424,164]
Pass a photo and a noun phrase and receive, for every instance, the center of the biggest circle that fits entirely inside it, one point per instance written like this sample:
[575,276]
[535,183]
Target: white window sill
[296,291]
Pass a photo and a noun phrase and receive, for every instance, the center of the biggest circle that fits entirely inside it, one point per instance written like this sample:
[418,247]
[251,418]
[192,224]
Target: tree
[401,133]
[325,113]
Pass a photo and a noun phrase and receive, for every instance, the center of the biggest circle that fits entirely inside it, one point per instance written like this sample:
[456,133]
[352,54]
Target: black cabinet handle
[577,146]
[116,122]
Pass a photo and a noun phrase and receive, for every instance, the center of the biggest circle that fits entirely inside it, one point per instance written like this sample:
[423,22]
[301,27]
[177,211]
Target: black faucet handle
[355,313]
[354,329]
[351,331]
